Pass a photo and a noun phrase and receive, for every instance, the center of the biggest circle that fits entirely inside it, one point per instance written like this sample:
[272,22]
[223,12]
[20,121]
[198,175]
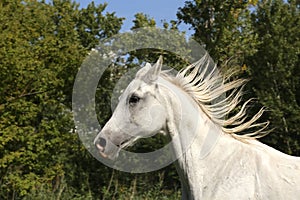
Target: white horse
[237,167]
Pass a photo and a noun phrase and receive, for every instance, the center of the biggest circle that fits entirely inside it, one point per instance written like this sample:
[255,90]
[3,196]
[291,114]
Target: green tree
[274,70]
[222,27]
[93,26]
[41,48]
[142,20]
[178,39]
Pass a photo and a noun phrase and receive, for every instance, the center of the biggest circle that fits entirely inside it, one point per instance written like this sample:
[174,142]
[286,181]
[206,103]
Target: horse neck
[193,136]
[194,148]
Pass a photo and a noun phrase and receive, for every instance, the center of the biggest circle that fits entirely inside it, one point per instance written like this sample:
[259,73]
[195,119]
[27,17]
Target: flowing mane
[202,81]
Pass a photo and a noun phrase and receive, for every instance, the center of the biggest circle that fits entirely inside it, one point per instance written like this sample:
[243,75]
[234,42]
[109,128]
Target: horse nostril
[102,142]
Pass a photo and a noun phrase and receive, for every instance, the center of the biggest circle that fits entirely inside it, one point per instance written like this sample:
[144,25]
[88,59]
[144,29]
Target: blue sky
[158,9]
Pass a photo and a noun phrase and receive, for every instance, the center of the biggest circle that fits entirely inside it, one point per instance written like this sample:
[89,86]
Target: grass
[138,189]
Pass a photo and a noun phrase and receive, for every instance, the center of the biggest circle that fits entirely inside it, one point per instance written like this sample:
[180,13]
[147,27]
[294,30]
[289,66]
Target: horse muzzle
[105,147]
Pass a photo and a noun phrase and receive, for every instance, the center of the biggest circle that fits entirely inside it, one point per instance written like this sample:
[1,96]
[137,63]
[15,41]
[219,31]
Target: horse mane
[218,96]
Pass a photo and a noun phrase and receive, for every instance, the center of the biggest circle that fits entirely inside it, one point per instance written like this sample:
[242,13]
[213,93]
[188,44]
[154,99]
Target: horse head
[139,113]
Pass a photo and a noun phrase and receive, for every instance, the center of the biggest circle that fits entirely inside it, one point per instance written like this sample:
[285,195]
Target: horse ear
[150,73]
[143,71]
[153,73]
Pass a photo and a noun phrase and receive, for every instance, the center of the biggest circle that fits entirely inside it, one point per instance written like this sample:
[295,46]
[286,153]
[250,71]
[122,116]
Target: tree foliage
[274,70]
[42,46]
[222,27]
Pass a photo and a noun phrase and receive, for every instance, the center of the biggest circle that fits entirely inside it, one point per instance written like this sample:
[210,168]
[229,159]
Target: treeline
[42,46]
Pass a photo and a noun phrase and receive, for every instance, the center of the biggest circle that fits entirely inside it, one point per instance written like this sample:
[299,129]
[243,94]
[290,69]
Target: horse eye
[134,99]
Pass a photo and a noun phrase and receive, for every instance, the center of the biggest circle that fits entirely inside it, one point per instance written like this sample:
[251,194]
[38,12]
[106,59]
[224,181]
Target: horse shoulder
[278,174]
